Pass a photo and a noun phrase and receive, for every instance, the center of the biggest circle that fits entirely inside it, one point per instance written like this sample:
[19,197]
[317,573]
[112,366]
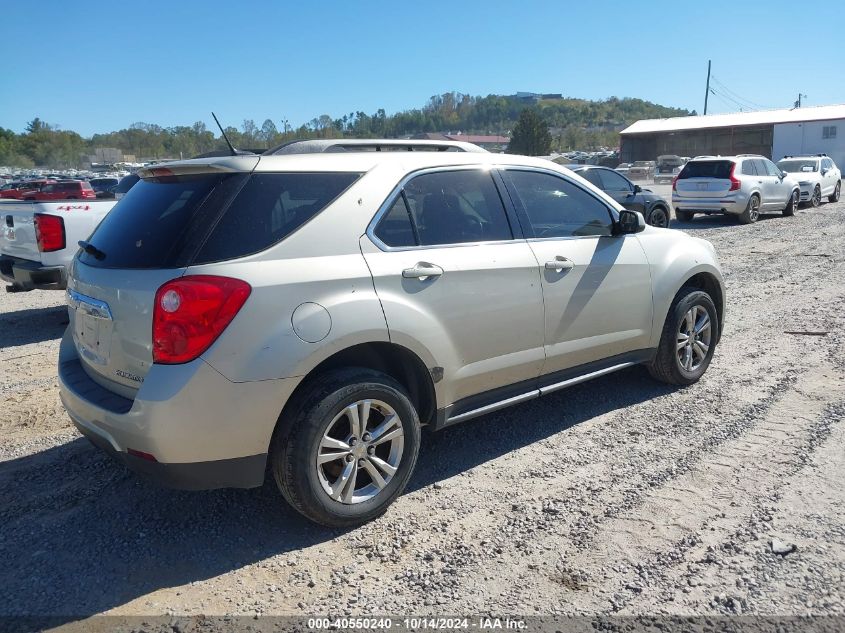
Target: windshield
[797,166]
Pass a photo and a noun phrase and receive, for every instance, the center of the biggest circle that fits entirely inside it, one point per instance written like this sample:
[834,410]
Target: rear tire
[816,197]
[752,210]
[681,360]
[791,205]
[834,197]
[684,216]
[323,419]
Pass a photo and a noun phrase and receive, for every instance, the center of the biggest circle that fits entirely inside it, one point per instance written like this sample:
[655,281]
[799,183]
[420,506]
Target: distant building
[534,97]
[492,143]
[772,133]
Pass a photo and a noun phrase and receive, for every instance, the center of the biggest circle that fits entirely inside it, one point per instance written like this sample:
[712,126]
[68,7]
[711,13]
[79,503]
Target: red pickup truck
[63,190]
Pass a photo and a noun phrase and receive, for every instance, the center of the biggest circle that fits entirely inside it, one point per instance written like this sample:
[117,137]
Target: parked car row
[51,189]
[748,185]
[304,313]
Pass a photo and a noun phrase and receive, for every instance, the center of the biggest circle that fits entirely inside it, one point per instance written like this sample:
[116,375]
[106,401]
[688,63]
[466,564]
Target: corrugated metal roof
[764,117]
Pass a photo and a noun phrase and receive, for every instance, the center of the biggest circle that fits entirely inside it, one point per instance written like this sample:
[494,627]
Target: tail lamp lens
[191,312]
[49,232]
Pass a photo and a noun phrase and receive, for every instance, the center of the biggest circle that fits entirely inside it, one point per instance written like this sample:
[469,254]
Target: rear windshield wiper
[91,249]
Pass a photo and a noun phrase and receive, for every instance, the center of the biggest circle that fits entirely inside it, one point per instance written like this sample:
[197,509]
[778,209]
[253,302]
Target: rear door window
[268,209]
[748,168]
[720,169]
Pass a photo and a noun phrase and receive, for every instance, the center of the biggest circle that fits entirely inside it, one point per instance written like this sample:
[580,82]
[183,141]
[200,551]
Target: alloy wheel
[754,208]
[360,451]
[659,218]
[817,197]
[694,337]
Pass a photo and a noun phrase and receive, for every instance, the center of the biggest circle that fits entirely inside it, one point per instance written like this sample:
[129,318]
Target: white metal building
[772,133]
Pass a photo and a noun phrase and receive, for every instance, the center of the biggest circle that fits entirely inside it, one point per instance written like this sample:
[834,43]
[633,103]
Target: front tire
[834,197]
[791,205]
[752,210]
[684,216]
[659,217]
[816,198]
[347,447]
[688,339]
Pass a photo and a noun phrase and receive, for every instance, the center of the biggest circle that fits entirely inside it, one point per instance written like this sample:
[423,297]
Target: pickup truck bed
[23,263]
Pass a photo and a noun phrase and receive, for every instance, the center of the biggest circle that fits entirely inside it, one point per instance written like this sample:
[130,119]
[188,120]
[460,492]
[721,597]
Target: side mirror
[824,170]
[637,189]
[630,222]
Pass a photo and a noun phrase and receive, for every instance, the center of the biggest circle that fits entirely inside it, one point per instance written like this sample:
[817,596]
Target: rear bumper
[240,472]
[29,275]
[202,430]
[733,204]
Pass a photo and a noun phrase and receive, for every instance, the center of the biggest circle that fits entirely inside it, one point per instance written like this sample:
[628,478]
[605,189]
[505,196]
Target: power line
[728,101]
[737,97]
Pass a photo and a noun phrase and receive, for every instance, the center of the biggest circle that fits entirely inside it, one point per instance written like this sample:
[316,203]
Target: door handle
[422,270]
[560,263]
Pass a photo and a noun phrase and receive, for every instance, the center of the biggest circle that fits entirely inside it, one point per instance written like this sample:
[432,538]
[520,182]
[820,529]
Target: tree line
[572,124]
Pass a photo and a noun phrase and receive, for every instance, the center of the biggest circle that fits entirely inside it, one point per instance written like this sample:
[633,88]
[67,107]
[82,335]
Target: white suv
[745,185]
[817,176]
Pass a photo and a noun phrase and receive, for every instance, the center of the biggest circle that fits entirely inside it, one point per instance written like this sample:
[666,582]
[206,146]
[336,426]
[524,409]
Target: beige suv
[311,311]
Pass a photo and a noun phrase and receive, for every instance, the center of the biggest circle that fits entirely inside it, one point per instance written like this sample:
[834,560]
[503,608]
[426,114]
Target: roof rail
[316,146]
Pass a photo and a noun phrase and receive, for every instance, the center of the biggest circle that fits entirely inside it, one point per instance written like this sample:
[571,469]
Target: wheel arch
[709,283]
[396,361]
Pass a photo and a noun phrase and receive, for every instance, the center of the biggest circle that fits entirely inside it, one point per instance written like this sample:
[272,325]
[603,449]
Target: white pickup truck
[39,239]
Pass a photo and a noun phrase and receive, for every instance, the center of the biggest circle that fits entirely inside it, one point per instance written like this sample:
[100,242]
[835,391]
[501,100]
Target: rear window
[720,169]
[176,221]
[149,227]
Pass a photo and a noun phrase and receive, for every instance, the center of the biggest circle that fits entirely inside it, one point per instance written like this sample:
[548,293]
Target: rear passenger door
[780,189]
[456,278]
[596,285]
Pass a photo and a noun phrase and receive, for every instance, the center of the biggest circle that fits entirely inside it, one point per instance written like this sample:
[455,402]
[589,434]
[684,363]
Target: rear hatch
[705,179]
[17,235]
[147,239]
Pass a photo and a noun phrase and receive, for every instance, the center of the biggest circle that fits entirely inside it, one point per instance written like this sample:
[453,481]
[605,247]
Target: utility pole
[798,103]
[707,91]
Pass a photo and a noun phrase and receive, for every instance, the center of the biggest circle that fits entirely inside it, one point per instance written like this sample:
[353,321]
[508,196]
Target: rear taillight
[191,312]
[675,183]
[49,232]
[735,184]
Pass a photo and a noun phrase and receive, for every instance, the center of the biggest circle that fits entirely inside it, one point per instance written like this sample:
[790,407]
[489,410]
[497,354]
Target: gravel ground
[619,496]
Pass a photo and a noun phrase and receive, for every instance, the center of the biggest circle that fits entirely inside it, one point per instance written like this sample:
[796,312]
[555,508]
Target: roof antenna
[223,132]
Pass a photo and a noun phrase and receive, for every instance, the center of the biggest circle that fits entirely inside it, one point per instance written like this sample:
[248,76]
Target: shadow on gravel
[32,326]
[82,535]
[717,221]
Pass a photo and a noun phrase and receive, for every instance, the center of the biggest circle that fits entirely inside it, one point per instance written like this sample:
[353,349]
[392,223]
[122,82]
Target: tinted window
[592,176]
[148,227]
[559,208]
[613,181]
[453,207]
[760,166]
[798,166]
[720,169]
[126,183]
[268,209]
[748,168]
[48,188]
[771,169]
[395,228]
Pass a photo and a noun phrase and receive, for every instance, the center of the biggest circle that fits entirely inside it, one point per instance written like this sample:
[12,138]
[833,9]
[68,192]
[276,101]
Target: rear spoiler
[223,165]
